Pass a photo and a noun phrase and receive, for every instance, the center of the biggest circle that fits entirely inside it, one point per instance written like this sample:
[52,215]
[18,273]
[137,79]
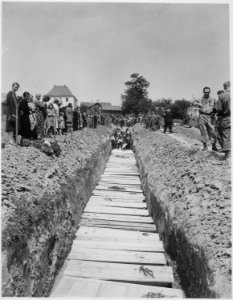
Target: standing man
[12,117]
[206,105]
[218,122]
[223,107]
[168,120]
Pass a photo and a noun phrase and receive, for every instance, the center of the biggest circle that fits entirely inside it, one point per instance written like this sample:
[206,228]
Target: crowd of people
[40,118]
[122,139]
[36,119]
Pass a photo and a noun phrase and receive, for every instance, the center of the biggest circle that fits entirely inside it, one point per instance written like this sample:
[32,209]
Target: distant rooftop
[60,91]
[104,105]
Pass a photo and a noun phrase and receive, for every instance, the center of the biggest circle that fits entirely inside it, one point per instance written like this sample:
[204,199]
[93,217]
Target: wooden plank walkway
[117,251]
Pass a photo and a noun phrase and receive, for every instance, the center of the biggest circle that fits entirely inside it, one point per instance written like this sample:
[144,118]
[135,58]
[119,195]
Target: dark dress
[25,130]
[75,120]
[84,120]
[11,101]
[95,121]
[40,118]
[168,120]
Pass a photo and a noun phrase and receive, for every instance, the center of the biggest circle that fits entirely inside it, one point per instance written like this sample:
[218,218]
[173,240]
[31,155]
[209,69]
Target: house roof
[88,104]
[60,91]
[104,105]
[115,108]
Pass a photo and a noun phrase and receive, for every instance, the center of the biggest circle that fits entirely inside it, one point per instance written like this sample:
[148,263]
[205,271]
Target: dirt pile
[188,193]
[43,198]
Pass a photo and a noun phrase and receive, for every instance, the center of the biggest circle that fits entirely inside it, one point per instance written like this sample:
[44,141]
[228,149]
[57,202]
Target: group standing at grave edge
[39,118]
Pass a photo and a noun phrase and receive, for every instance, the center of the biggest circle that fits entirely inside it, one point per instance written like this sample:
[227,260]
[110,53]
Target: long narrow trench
[117,251]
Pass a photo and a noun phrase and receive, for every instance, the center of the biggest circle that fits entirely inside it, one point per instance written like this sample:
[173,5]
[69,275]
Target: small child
[50,120]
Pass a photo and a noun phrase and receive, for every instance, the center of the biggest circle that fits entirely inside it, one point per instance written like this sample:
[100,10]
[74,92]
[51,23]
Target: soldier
[206,105]
[224,112]
[217,120]
[168,120]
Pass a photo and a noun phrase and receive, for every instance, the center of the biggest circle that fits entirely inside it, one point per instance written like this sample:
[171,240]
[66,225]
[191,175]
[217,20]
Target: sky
[93,48]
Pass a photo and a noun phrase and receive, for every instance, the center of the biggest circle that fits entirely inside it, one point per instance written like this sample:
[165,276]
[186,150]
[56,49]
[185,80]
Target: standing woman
[24,109]
[56,109]
[80,119]
[84,117]
[75,120]
[12,105]
[40,116]
[69,115]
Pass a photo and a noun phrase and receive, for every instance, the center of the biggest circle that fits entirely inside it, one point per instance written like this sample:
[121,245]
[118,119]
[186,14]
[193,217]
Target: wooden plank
[122,164]
[104,175]
[119,173]
[155,275]
[117,188]
[121,170]
[118,194]
[120,182]
[117,203]
[78,287]
[125,176]
[116,210]
[119,225]
[117,256]
[138,219]
[117,199]
[154,246]
[87,233]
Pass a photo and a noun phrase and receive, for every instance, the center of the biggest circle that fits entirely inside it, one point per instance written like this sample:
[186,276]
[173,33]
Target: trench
[188,267]
[117,250]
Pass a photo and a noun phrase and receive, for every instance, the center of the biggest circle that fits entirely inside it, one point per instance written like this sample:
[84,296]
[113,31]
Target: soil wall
[42,201]
[188,194]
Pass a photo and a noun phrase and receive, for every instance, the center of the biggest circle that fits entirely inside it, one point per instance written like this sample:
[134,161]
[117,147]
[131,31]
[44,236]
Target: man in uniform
[223,107]
[168,120]
[206,105]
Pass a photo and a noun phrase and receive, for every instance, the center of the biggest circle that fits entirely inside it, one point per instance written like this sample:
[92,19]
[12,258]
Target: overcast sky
[93,48]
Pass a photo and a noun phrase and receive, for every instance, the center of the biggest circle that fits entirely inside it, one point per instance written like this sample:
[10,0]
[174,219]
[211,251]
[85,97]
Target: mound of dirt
[188,193]
[42,201]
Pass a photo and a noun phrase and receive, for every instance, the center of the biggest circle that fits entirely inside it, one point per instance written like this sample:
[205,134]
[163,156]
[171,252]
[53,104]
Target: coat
[11,104]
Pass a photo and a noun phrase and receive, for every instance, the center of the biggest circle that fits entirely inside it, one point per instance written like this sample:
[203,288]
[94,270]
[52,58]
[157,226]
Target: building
[63,94]
[104,107]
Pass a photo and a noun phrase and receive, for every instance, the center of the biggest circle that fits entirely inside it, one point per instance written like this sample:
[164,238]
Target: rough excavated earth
[192,190]
[42,200]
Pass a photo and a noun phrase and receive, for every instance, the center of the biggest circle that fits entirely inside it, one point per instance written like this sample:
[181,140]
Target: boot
[205,148]
[227,155]
[214,148]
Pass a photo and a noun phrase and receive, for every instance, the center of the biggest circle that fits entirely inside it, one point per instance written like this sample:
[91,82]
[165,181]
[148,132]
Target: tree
[135,98]
[179,109]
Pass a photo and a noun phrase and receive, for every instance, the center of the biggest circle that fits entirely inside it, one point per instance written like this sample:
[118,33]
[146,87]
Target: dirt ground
[194,189]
